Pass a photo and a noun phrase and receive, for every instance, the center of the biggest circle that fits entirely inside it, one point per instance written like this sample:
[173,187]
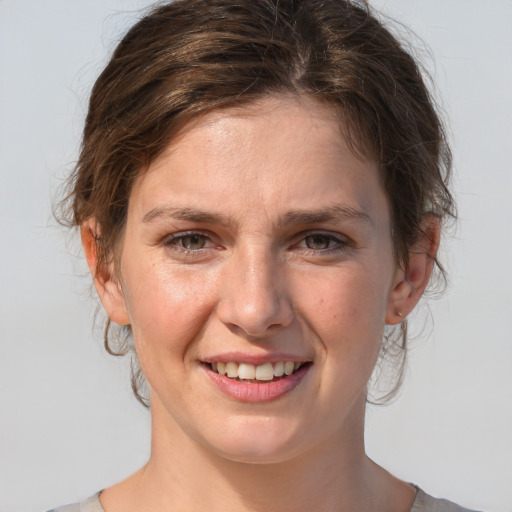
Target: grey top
[422,503]
[426,503]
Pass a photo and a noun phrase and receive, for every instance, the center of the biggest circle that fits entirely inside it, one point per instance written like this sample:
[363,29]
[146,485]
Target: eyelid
[321,232]
[174,237]
[341,242]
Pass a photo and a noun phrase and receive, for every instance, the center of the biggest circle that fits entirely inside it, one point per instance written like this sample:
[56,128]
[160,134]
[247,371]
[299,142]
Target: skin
[259,277]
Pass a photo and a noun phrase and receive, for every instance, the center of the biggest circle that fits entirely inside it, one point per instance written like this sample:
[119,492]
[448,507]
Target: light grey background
[68,422]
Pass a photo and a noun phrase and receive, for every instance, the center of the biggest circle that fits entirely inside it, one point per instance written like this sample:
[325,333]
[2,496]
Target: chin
[259,455]
[256,444]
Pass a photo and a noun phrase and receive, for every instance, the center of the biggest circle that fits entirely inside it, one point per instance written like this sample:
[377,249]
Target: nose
[254,301]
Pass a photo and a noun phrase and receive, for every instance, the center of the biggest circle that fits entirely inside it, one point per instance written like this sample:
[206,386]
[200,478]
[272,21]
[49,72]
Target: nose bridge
[254,298]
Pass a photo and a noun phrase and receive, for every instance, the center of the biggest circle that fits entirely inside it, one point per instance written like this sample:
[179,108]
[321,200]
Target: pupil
[193,242]
[317,242]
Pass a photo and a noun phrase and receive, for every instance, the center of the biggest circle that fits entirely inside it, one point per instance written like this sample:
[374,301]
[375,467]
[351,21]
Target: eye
[318,241]
[192,242]
[189,242]
[322,242]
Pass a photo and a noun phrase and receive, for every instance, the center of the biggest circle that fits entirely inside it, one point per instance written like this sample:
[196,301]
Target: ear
[409,284]
[108,287]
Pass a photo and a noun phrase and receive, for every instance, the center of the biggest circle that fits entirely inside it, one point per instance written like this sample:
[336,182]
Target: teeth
[232,370]
[279,369]
[263,372]
[247,371]
[221,368]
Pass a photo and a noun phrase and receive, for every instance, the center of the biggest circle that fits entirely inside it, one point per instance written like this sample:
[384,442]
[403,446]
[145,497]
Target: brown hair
[189,57]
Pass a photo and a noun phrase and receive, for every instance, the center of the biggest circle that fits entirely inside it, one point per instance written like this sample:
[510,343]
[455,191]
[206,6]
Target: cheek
[346,309]
[167,307]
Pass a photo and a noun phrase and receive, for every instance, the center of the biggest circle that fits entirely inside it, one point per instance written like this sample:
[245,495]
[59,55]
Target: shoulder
[422,503]
[91,504]
[426,503]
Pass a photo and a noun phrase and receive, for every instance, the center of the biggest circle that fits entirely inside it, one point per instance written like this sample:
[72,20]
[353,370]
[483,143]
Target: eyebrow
[190,214]
[334,213]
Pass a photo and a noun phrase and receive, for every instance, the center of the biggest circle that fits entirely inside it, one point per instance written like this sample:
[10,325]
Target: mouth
[256,381]
[250,373]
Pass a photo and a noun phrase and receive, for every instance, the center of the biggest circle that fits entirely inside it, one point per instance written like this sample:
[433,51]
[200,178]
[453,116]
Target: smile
[264,382]
[256,373]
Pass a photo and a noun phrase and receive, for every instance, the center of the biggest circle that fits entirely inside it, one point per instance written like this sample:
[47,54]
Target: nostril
[256,303]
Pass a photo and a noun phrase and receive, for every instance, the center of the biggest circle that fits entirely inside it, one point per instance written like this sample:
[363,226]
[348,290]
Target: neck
[205,481]
[181,474]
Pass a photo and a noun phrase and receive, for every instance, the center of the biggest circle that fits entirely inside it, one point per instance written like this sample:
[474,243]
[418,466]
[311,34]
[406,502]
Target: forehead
[279,151]
[277,120]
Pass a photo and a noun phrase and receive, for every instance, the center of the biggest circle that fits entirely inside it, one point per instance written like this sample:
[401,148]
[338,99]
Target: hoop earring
[106,343]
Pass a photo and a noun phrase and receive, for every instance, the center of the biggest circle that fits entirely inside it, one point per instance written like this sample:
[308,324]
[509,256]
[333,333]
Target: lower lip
[254,391]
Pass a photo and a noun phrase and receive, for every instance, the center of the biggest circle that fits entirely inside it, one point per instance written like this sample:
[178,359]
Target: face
[258,244]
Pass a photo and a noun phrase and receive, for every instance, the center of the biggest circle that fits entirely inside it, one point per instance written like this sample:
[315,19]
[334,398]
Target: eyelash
[174,241]
[335,244]
[338,245]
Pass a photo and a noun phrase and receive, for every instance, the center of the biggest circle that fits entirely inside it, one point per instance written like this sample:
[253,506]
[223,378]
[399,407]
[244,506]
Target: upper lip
[239,357]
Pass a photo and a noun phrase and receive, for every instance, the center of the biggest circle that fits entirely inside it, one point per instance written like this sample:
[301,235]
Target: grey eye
[318,242]
[193,242]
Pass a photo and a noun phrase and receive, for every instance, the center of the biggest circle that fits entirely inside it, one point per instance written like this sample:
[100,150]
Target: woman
[261,191]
